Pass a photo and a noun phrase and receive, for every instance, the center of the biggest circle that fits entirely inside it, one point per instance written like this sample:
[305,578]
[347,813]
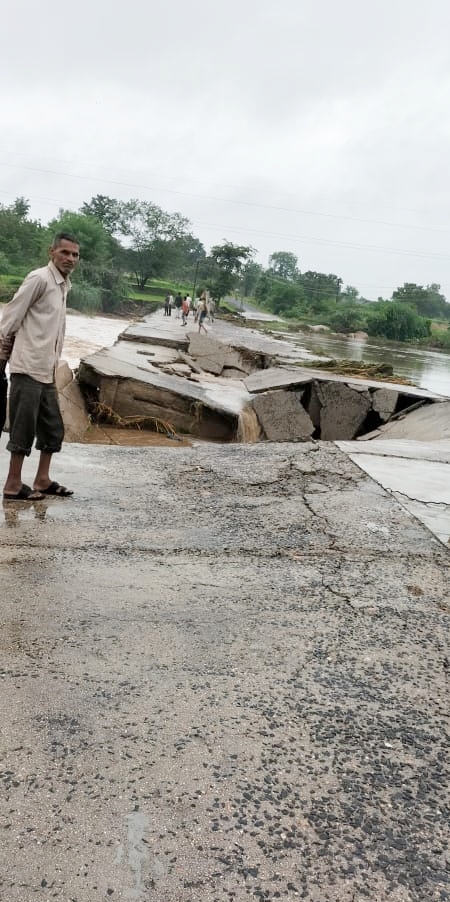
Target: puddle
[111,435]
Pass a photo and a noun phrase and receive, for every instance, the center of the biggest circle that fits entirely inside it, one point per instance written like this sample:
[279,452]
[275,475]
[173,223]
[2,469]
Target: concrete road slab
[417,473]
[223,677]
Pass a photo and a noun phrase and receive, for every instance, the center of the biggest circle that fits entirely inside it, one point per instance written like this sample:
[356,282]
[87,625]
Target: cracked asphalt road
[224,676]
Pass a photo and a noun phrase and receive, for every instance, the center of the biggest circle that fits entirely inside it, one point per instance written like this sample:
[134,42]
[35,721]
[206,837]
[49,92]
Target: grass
[440,336]
[145,296]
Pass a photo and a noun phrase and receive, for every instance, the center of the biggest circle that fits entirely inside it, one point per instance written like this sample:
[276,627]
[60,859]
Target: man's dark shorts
[34,414]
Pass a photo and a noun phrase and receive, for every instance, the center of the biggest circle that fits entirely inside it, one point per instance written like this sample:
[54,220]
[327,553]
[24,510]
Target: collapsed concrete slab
[208,353]
[117,383]
[384,402]
[158,370]
[282,417]
[343,410]
[157,335]
[428,423]
[277,377]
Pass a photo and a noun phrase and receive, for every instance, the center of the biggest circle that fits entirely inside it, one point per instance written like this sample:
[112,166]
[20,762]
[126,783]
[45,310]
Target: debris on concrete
[193,381]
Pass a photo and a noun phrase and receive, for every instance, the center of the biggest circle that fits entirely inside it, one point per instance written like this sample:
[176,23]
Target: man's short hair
[65,236]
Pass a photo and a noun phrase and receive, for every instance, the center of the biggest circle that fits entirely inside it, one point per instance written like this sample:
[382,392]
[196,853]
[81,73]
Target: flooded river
[426,369]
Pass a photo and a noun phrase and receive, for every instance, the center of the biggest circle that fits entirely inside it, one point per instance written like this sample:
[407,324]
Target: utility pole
[195,280]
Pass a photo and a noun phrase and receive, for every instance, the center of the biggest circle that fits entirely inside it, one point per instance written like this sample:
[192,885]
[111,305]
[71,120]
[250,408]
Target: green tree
[350,294]
[320,289]
[21,238]
[397,321]
[98,280]
[250,275]
[153,235]
[348,317]
[156,243]
[187,253]
[263,288]
[286,299]
[427,301]
[283,264]
[106,210]
[227,261]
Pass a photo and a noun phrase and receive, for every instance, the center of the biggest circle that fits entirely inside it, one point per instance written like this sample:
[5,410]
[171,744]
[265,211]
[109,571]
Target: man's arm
[15,313]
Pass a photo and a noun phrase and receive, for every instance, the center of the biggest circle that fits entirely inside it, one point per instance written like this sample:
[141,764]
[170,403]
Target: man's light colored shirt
[33,324]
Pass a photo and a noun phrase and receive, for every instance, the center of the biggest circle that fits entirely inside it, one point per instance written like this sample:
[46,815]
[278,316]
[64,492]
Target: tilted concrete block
[282,417]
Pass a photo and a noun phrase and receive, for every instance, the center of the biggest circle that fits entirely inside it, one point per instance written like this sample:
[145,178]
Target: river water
[426,369]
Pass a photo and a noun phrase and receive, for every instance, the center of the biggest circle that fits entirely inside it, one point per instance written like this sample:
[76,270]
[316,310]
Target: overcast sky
[309,126]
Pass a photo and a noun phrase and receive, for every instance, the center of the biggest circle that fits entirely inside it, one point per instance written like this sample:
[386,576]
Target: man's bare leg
[13,482]
[42,479]
[14,488]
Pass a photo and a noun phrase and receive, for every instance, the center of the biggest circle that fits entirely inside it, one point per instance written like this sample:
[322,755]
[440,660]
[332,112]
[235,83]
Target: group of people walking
[203,307]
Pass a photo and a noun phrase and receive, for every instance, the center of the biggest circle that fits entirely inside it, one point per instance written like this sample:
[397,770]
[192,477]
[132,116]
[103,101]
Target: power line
[327,241]
[306,239]
[236,187]
[226,200]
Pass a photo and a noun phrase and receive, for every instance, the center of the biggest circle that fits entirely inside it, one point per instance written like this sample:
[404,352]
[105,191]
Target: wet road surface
[224,676]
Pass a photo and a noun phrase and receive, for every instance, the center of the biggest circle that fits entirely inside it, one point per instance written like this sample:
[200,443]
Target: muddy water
[249,429]
[87,334]
[111,435]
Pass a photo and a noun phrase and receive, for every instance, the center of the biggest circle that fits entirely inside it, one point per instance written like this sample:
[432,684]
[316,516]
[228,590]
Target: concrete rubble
[203,384]
[282,416]
[343,410]
[224,675]
[384,403]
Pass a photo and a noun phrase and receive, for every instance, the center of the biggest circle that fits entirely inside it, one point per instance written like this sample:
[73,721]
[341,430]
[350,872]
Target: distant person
[211,308]
[201,313]
[184,310]
[31,339]
[189,301]
[166,304]
[178,302]
[170,304]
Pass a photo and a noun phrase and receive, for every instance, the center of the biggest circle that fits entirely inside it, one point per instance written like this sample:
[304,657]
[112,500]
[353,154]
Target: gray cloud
[318,128]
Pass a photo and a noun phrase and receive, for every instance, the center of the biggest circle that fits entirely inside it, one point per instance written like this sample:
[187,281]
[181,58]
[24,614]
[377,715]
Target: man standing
[31,339]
